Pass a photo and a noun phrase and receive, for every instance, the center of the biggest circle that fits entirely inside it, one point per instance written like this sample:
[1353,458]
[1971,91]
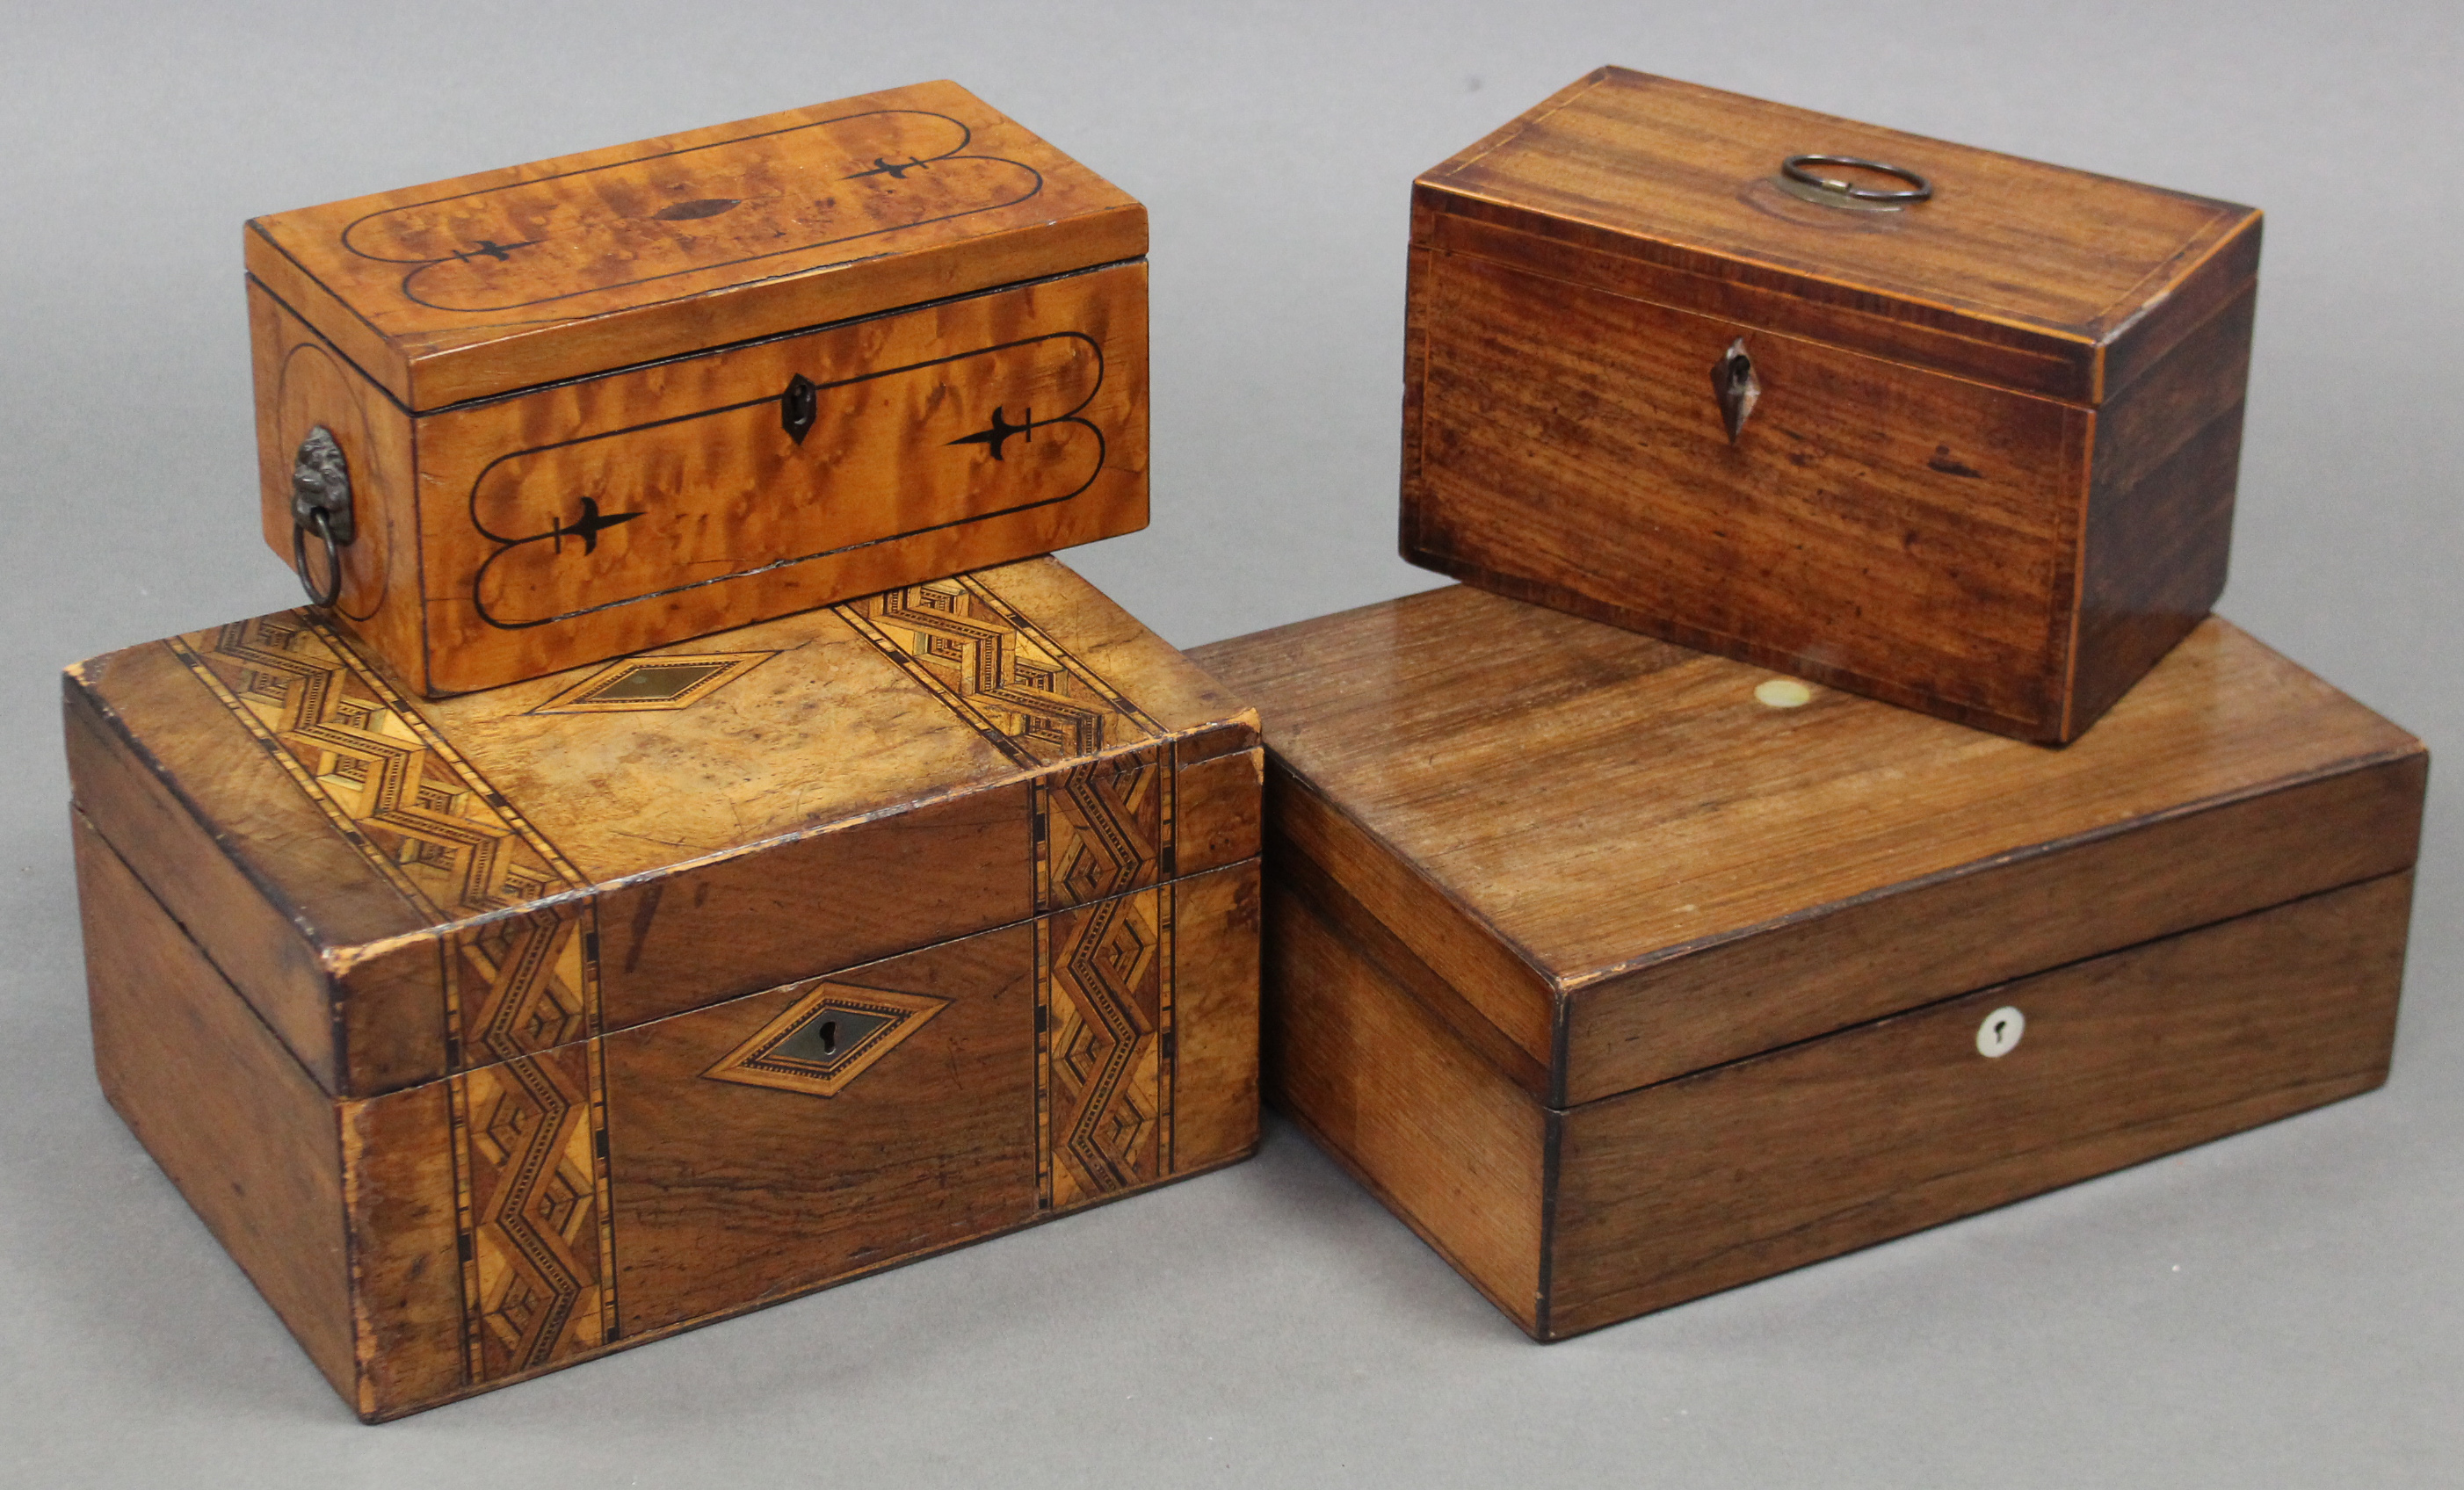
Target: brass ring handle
[1796,174]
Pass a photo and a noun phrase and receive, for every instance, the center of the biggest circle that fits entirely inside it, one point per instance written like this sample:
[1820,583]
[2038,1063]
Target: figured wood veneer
[1989,473]
[599,403]
[550,1019]
[1623,977]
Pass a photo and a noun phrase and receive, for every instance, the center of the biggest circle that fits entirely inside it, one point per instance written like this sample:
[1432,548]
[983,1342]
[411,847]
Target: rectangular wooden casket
[605,402]
[1986,467]
[495,1033]
[1622,985]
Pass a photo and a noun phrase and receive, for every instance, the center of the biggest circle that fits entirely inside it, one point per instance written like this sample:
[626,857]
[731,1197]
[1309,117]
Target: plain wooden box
[1989,473]
[1624,973]
[495,1033]
[610,401]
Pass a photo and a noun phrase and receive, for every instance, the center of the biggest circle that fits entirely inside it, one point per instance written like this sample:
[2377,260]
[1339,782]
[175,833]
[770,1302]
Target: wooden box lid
[1610,861]
[710,819]
[2030,276]
[563,268]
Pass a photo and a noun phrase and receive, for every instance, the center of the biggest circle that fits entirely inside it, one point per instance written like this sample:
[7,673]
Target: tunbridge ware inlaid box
[494,1032]
[550,414]
[1625,973]
[1672,363]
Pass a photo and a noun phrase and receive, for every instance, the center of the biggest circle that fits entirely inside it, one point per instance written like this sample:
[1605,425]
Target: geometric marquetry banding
[998,670]
[365,756]
[538,1237]
[825,1039]
[1104,827]
[638,684]
[1104,1047]
[527,1106]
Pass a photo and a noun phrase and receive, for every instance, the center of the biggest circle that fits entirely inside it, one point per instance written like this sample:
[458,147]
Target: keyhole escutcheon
[1735,385]
[1999,1035]
[829,1037]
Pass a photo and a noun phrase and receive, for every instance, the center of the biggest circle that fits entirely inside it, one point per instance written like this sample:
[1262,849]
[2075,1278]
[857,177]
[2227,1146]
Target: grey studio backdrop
[2283,1307]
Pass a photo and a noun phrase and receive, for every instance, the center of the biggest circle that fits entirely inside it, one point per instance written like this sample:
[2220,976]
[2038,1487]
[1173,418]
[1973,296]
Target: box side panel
[361,343]
[1898,533]
[1720,1178]
[303,385]
[2205,277]
[1433,1131]
[733,485]
[1216,922]
[1879,954]
[405,1265]
[1493,985]
[269,958]
[240,1127]
[2159,509]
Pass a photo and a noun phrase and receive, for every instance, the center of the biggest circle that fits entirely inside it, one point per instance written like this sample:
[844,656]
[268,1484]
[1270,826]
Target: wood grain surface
[1631,868]
[512,278]
[519,1217]
[1911,537]
[247,1136]
[1433,1131]
[1713,1180]
[1988,471]
[1677,179]
[1570,1219]
[514,537]
[707,821]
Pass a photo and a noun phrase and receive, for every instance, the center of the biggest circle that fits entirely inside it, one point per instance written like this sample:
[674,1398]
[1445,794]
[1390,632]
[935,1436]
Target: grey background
[2284,1308]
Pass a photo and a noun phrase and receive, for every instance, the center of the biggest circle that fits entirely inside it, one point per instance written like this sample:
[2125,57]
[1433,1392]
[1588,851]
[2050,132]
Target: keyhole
[1999,1035]
[829,1037]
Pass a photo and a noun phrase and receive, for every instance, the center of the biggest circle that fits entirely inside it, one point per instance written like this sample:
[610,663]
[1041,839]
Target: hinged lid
[563,268]
[404,887]
[2034,276]
[1610,861]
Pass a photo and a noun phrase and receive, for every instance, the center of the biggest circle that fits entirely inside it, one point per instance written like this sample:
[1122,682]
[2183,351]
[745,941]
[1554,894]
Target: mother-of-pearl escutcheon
[1999,1035]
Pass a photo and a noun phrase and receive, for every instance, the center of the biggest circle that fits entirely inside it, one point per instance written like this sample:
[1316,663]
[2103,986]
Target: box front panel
[1732,1175]
[1901,534]
[601,516]
[604,1193]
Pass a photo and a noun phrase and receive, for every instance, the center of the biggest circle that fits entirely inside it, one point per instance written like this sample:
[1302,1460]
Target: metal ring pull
[321,500]
[333,559]
[1831,191]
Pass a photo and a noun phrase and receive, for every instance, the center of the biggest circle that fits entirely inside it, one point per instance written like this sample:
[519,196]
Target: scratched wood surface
[1627,866]
[1989,470]
[510,279]
[463,1234]
[1570,1219]
[390,881]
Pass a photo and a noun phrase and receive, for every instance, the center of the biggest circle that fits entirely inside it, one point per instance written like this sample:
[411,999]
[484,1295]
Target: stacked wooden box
[1624,972]
[819,879]
[697,846]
